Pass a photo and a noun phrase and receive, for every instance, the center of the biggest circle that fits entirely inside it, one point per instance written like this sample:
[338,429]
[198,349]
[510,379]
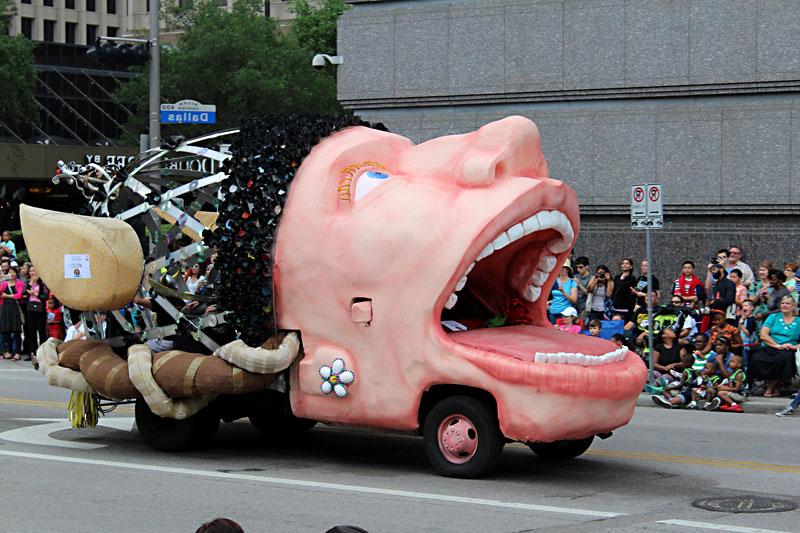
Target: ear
[317,184]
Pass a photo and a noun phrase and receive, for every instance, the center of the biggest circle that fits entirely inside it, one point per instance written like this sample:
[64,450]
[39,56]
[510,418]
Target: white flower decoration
[335,378]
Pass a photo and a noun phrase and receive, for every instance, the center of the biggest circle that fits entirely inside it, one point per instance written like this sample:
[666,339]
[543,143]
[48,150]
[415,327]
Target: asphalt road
[645,477]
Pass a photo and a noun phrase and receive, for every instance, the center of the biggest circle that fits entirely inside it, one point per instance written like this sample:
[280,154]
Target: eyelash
[344,190]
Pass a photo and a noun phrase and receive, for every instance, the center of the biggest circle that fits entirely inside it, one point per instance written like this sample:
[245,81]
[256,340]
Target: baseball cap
[569,311]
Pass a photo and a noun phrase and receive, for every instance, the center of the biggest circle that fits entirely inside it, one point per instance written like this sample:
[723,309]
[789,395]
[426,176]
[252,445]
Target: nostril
[499,169]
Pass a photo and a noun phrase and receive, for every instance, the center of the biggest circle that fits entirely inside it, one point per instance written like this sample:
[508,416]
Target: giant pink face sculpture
[379,236]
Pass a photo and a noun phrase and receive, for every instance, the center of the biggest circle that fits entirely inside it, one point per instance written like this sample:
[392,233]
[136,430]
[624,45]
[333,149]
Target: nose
[508,147]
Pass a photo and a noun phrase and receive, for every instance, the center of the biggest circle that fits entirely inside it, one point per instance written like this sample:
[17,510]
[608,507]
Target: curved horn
[261,360]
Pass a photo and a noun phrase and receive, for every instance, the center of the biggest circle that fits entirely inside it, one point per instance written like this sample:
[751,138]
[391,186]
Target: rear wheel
[462,437]
[562,449]
[170,435]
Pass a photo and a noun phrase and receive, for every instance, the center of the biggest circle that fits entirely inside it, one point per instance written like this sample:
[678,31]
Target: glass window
[111,6]
[91,33]
[69,4]
[90,5]
[27,27]
[70,32]
[49,30]
[48,3]
[111,31]
[26,1]
[222,3]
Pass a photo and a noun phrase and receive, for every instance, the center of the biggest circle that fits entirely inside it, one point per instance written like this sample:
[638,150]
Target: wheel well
[437,393]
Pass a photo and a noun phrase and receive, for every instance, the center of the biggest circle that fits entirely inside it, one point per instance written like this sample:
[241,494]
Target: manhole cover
[745,504]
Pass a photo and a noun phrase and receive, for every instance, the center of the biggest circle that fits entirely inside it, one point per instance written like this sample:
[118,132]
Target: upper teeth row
[562,358]
[540,221]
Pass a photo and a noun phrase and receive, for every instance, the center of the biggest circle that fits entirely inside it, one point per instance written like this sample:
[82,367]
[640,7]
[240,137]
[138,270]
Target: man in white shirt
[735,261]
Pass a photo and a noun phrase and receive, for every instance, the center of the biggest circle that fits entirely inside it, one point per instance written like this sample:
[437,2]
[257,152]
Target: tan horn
[90,263]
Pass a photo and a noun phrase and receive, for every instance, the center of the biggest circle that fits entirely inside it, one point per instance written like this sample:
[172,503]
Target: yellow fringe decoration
[83,410]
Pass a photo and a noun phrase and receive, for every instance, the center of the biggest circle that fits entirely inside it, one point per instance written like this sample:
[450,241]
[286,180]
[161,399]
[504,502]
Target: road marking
[40,433]
[337,487]
[685,459]
[58,405]
[718,527]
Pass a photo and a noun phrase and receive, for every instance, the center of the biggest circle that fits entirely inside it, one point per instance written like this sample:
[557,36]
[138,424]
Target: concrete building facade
[700,95]
[81,21]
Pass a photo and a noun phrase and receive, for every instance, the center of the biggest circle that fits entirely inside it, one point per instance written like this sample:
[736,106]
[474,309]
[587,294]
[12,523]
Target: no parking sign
[647,210]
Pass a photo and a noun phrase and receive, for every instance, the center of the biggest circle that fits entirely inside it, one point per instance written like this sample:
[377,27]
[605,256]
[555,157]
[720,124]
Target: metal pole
[649,300]
[155,79]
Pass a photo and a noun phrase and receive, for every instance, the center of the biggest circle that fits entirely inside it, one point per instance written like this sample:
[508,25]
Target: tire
[274,418]
[462,437]
[562,449]
[170,435]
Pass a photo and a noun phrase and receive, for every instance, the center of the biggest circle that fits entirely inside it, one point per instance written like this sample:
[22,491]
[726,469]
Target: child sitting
[704,385]
[722,356]
[729,392]
[678,391]
[594,328]
[700,342]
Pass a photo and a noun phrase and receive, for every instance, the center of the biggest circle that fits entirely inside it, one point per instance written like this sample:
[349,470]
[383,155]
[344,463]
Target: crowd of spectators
[727,332]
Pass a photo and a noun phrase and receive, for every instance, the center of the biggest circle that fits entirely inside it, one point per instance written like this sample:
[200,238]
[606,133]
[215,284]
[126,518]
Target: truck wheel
[462,437]
[170,435]
[561,449]
[274,417]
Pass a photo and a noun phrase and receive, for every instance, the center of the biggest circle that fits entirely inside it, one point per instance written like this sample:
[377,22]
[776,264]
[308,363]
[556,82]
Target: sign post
[647,211]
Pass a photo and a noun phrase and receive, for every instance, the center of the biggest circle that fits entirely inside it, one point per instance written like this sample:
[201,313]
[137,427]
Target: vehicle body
[380,242]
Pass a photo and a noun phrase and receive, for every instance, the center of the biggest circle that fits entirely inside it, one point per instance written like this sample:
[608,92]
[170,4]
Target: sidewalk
[754,404]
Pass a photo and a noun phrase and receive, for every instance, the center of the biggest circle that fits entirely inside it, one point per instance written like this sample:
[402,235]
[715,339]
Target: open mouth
[517,263]
[492,306]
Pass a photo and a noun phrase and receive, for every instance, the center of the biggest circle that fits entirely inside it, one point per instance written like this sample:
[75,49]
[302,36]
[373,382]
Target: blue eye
[368,181]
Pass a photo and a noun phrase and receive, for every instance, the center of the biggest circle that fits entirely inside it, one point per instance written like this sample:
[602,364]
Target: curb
[754,405]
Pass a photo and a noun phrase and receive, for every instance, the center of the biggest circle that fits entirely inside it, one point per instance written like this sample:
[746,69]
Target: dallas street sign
[188,112]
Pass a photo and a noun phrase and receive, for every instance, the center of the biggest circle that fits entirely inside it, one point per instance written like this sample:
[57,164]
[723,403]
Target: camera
[715,260]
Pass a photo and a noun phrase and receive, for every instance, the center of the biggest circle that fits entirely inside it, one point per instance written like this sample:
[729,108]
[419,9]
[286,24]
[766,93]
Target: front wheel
[462,437]
[170,435]
[562,449]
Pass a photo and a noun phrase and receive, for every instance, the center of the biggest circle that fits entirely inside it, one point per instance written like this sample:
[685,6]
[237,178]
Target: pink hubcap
[458,439]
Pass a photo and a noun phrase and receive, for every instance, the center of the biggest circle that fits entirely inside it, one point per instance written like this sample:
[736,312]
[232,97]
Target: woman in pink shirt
[569,316]
[11,292]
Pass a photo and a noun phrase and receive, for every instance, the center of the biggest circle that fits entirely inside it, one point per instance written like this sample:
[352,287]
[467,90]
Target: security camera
[319,60]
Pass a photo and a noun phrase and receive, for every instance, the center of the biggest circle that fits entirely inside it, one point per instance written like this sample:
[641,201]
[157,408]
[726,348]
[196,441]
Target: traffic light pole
[155,78]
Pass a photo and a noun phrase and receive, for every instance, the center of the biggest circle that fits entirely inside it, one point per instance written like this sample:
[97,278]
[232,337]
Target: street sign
[188,112]
[647,209]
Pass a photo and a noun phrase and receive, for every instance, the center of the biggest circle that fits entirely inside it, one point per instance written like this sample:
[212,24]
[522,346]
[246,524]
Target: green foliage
[315,28]
[237,60]
[17,74]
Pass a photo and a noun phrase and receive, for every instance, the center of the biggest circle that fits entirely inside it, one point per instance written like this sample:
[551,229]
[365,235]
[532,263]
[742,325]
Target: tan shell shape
[115,257]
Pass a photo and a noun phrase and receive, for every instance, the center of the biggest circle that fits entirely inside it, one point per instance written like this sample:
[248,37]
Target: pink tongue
[522,342]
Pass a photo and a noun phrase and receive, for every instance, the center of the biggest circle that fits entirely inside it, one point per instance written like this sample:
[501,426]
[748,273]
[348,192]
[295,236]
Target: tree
[17,74]
[315,28]
[237,60]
